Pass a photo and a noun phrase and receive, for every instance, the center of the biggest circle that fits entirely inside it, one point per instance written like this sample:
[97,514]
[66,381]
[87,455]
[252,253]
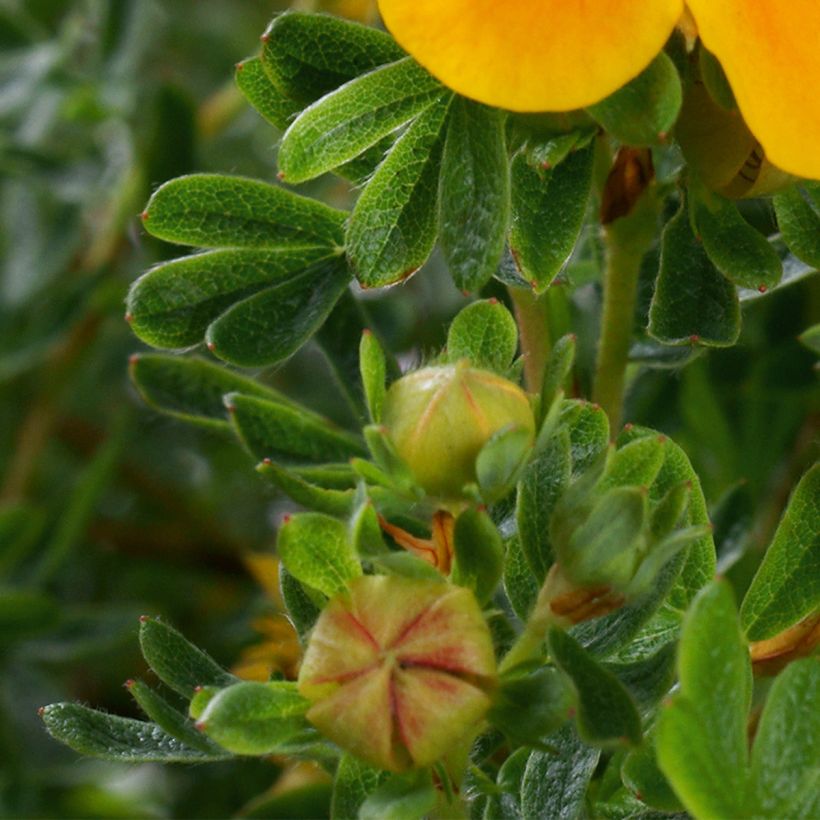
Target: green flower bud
[440,417]
[399,670]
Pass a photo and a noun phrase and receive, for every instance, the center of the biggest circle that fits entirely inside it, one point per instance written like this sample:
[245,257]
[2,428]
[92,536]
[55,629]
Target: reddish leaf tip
[198,688]
[144,618]
[628,427]
[367,332]
[211,346]
[41,711]
[240,66]
[129,317]
[129,683]
[281,176]
[200,726]
[694,338]
[492,300]
[267,462]
[144,216]
[133,358]
[762,288]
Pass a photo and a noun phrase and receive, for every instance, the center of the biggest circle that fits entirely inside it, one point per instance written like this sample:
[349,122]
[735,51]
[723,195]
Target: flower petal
[532,55]
[769,51]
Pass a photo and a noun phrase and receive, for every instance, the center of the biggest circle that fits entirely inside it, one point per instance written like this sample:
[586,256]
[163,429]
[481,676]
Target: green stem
[532,317]
[620,295]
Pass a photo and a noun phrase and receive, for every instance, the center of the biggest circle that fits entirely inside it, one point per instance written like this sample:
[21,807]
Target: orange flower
[554,55]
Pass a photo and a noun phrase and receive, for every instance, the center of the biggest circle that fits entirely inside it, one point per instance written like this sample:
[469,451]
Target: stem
[532,317]
[620,296]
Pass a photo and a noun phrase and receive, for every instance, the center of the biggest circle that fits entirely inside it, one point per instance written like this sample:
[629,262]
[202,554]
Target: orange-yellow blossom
[557,55]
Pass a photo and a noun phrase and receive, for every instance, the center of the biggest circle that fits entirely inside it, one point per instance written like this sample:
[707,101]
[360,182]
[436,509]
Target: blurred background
[109,511]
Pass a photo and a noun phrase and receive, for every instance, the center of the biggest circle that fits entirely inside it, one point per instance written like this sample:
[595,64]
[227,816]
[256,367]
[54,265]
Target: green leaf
[642,776]
[528,708]
[177,662]
[787,744]
[786,588]
[373,369]
[557,370]
[701,736]
[317,551]
[309,55]
[392,229]
[251,718]
[548,210]
[798,217]
[288,433]
[810,338]
[715,80]
[365,530]
[172,305]
[216,211]
[606,711]
[555,783]
[642,112]
[693,302]
[353,783]
[635,464]
[343,124]
[402,797]
[588,427]
[541,485]
[116,738]
[520,583]
[268,100]
[169,719]
[479,553]
[740,252]
[274,323]
[485,333]
[503,801]
[192,389]
[202,697]
[474,193]
[647,679]
[321,499]
[302,609]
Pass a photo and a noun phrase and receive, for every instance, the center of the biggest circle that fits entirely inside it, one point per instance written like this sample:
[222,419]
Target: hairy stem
[532,317]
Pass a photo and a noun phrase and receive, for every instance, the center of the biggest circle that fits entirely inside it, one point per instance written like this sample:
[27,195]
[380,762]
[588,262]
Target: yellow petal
[770,51]
[533,55]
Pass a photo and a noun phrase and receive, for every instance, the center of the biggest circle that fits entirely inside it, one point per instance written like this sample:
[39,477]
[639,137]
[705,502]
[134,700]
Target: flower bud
[399,670]
[440,417]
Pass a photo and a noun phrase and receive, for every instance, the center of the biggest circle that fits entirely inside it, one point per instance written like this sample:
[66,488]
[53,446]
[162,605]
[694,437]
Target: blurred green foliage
[108,510]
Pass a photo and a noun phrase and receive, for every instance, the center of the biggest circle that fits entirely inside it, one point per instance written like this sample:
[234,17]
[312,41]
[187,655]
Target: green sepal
[288,433]
[302,603]
[203,695]
[316,550]
[401,797]
[373,371]
[251,718]
[353,783]
[485,333]
[176,661]
[500,461]
[606,712]
[365,531]
[479,553]
[386,457]
[642,112]
[311,496]
[635,464]
[547,214]
[474,193]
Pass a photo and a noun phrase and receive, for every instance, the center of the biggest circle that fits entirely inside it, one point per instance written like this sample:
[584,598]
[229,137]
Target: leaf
[172,305]
[642,776]
[169,719]
[373,369]
[343,124]
[192,389]
[810,338]
[539,489]
[701,736]
[606,712]
[110,737]
[316,550]
[479,553]
[500,460]
[520,583]
[635,464]
[741,253]
[320,499]
[693,302]
[177,662]
[269,101]
[649,678]
[588,427]
[402,797]
[557,370]
[642,112]
[288,433]
[274,323]
[555,783]
[302,609]
[309,55]
[353,783]
[548,210]
[474,193]
[786,587]
[251,718]
[392,229]
[485,333]
[798,217]
[216,211]
[504,799]
[787,744]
